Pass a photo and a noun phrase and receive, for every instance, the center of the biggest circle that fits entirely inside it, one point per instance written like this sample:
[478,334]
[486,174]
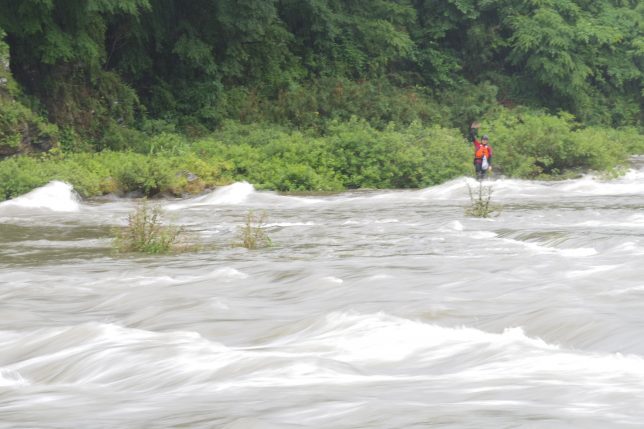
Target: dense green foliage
[351,154]
[267,156]
[100,66]
[21,130]
[531,145]
[174,96]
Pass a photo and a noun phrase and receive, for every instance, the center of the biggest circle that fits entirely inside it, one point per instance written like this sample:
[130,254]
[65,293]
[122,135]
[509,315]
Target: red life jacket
[481,151]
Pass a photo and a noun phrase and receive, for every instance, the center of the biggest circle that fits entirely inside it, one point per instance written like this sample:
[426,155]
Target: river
[373,309]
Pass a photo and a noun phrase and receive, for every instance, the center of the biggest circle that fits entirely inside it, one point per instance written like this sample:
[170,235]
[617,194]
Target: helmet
[485,137]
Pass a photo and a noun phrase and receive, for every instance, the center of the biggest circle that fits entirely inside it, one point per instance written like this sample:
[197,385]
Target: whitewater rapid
[373,309]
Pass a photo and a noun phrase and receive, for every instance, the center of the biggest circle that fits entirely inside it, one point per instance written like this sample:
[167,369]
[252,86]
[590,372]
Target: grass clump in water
[146,233]
[480,201]
[253,235]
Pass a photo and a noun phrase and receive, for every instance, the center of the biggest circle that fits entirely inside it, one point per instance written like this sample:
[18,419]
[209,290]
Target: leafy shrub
[480,201]
[148,175]
[253,235]
[410,157]
[536,145]
[19,176]
[146,233]
[350,154]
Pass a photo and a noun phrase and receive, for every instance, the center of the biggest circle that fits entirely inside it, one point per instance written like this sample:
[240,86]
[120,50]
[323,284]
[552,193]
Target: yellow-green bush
[537,145]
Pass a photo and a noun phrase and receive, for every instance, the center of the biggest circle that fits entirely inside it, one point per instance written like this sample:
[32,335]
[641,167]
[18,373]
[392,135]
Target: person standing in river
[482,157]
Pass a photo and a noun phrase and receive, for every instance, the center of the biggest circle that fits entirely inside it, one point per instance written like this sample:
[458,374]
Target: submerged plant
[480,201]
[146,233]
[253,235]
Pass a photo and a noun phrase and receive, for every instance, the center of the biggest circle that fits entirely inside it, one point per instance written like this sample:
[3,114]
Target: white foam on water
[579,252]
[451,190]
[455,225]
[380,277]
[333,280]
[107,353]
[630,222]
[387,221]
[243,193]
[352,222]
[341,349]
[384,338]
[227,274]
[234,194]
[629,247]
[458,189]
[590,271]
[632,183]
[483,235]
[11,378]
[55,196]
[384,348]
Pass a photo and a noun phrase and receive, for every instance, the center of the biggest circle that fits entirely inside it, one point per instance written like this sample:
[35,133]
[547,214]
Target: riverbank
[349,155]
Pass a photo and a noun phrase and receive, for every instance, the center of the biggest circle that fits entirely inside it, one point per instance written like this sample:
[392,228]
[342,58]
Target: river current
[372,309]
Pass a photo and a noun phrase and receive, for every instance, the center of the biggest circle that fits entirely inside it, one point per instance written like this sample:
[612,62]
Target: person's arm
[473,135]
[474,131]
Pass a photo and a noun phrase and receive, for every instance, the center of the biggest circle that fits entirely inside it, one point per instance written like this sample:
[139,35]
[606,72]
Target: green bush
[537,145]
[253,234]
[93,174]
[146,233]
[19,176]
[411,157]
[481,201]
[350,154]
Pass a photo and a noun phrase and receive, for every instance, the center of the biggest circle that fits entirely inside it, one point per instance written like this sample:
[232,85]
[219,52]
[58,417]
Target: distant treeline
[102,69]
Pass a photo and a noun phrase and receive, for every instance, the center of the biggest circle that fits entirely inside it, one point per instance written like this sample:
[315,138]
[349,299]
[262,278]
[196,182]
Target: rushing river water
[373,309]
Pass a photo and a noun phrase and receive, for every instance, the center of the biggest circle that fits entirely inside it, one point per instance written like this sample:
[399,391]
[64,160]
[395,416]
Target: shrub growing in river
[253,234]
[146,233]
[480,201]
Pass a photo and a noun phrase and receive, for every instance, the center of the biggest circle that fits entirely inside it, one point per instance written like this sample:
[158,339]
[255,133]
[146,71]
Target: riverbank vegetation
[153,97]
